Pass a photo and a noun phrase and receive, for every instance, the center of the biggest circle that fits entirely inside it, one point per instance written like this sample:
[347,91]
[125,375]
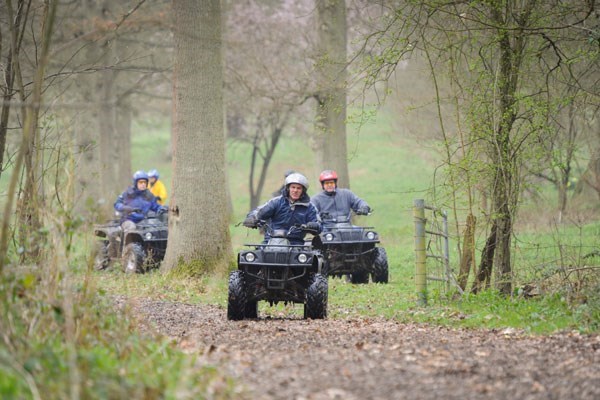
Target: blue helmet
[153,173]
[138,176]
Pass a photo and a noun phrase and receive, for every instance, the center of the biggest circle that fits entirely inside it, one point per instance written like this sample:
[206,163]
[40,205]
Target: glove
[313,226]
[251,221]
[365,210]
[127,209]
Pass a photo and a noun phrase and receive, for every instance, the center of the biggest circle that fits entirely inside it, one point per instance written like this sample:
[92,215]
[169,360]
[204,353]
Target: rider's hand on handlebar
[313,226]
[363,210]
[251,221]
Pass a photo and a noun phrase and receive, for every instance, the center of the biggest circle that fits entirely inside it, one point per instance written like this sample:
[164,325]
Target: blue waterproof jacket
[134,204]
[283,215]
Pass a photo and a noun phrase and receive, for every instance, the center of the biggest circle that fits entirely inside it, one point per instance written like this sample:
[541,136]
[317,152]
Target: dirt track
[289,358]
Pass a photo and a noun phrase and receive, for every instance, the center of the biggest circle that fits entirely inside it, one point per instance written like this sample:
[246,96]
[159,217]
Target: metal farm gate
[431,243]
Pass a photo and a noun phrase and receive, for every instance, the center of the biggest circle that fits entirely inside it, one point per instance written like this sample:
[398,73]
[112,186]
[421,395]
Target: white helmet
[296,178]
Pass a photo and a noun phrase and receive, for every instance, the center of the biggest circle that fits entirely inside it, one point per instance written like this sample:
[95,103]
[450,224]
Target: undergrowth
[72,343]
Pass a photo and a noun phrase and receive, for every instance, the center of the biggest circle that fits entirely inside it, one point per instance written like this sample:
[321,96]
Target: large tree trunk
[107,129]
[198,219]
[123,131]
[330,142]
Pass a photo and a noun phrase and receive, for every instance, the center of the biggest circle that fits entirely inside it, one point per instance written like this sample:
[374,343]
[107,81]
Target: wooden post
[420,252]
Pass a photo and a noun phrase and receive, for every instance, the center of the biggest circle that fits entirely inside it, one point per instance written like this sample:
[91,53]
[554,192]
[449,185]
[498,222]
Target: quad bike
[351,250]
[277,271]
[138,250]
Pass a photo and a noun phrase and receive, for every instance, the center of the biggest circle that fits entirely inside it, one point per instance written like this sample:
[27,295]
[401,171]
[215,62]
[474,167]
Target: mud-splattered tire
[316,298]
[380,266]
[101,260]
[133,258]
[359,277]
[237,297]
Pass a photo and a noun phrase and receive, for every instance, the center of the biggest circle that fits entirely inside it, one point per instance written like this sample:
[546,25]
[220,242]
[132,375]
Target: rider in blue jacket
[135,202]
[292,207]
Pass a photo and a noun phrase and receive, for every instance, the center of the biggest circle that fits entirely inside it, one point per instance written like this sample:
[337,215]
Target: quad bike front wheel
[133,258]
[102,260]
[380,267]
[237,297]
[316,298]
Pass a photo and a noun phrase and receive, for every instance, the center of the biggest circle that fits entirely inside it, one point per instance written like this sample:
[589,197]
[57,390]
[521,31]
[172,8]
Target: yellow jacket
[159,190]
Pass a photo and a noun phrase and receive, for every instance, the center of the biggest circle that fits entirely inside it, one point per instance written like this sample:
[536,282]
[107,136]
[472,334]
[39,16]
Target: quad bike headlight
[329,237]
[302,258]
[250,257]
[148,235]
[371,235]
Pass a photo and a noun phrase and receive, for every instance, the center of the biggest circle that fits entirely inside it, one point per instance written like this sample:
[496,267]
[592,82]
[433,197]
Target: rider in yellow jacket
[157,188]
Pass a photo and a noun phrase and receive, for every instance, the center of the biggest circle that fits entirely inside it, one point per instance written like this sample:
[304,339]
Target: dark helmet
[328,175]
[153,173]
[296,178]
[139,175]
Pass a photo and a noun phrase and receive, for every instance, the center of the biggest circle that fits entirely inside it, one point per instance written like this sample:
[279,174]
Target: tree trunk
[107,129]
[467,259]
[484,274]
[330,142]
[198,220]
[123,131]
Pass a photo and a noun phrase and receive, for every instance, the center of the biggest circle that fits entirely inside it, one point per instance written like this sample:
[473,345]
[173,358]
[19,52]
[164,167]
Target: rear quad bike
[278,271]
[138,250]
[351,250]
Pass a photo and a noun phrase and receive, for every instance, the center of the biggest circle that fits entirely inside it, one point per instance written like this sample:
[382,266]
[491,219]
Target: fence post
[420,252]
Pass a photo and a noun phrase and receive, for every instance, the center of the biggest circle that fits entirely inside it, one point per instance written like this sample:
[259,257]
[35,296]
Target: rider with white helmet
[292,207]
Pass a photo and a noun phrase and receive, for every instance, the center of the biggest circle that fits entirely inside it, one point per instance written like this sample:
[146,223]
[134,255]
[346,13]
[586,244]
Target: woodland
[493,104]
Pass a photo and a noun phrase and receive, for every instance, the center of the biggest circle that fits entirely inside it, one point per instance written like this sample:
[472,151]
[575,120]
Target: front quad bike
[352,250]
[138,250]
[277,271]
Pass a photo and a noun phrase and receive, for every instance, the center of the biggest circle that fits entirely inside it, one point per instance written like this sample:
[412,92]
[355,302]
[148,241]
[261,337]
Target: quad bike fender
[133,237]
[319,262]
[105,232]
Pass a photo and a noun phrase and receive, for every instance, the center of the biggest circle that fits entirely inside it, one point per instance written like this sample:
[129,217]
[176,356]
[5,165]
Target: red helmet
[328,175]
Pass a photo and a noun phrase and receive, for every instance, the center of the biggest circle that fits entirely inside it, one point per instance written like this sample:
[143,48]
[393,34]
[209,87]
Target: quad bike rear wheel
[133,258]
[316,298]
[380,267]
[237,297]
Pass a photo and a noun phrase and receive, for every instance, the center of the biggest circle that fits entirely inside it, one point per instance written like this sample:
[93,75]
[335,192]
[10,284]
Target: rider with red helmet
[337,202]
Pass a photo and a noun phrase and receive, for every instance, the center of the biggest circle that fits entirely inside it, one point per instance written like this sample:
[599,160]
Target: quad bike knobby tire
[316,298]
[102,259]
[380,267]
[133,258]
[237,297]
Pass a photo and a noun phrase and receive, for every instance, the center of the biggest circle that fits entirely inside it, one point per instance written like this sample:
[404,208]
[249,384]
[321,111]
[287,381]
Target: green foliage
[104,358]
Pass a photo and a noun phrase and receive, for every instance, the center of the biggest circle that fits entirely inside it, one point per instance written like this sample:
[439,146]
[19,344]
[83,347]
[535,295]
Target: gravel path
[292,358]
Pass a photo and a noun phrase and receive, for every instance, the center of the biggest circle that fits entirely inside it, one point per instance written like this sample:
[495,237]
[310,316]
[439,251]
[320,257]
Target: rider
[135,202]
[337,202]
[157,187]
[291,207]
